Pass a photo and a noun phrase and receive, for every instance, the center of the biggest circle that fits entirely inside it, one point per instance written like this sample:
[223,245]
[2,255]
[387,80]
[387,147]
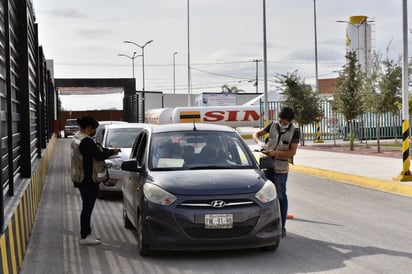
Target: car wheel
[144,249]
[127,223]
[271,247]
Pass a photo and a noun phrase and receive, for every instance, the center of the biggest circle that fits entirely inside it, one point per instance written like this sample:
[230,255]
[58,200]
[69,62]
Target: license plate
[218,221]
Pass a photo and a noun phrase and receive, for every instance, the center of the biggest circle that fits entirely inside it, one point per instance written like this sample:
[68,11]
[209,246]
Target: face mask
[92,133]
[283,126]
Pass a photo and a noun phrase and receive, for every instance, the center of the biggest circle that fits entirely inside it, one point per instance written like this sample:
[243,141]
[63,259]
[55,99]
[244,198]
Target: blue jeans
[88,192]
[279,179]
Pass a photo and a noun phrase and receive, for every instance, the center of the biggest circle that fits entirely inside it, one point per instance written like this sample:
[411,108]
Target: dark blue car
[198,187]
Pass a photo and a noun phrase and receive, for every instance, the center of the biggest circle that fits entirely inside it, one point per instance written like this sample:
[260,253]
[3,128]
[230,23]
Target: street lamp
[174,72]
[316,46]
[189,77]
[257,74]
[265,68]
[134,56]
[143,79]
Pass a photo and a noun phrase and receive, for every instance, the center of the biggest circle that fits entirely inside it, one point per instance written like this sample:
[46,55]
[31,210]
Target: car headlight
[158,195]
[267,193]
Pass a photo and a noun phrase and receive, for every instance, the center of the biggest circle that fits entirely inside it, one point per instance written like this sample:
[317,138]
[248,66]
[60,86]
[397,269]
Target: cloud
[67,13]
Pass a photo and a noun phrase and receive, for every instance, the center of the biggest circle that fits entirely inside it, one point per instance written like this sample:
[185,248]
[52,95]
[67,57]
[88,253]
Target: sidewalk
[363,166]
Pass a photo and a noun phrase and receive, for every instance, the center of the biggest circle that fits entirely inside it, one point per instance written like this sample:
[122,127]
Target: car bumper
[180,228]
[70,131]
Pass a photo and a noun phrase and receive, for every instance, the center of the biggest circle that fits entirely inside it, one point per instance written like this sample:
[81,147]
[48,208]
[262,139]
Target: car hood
[210,182]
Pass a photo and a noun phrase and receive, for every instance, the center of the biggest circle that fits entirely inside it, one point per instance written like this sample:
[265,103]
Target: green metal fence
[333,126]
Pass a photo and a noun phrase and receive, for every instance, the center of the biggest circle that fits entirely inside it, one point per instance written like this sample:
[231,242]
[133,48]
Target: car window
[71,122]
[121,137]
[141,149]
[99,135]
[189,150]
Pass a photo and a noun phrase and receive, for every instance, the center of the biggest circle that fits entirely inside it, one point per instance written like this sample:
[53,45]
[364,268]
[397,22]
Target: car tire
[271,247]
[144,249]
[127,223]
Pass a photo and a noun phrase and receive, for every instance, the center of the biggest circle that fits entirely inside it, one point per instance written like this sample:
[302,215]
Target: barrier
[15,238]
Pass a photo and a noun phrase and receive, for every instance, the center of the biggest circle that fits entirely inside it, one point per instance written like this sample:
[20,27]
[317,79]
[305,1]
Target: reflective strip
[3,250]
[12,248]
[18,241]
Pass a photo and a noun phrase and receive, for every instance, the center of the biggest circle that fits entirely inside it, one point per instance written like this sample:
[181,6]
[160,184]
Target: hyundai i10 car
[198,187]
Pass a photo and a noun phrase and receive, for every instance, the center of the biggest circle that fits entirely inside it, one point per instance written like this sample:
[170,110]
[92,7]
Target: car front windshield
[121,137]
[71,122]
[198,150]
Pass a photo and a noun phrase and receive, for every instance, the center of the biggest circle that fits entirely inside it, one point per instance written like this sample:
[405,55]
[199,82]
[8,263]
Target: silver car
[116,135]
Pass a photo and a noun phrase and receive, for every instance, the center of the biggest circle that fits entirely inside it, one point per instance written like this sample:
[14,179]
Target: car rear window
[71,122]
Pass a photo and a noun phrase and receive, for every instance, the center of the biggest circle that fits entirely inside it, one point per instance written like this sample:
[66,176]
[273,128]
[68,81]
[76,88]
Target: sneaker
[89,240]
[283,232]
[95,236]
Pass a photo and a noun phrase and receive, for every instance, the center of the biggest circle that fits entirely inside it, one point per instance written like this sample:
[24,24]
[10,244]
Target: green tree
[301,98]
[390,86]
[232,89]
[383,89]
[348,95]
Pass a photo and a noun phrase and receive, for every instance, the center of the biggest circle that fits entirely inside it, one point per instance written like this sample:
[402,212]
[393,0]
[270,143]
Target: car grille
[198,231]
[208,203]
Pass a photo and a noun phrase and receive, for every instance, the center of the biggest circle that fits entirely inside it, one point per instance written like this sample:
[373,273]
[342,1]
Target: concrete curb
[382,185]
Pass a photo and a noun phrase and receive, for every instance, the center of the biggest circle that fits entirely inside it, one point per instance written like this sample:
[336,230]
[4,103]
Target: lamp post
[257,74]
[188,56]
[265,68]
[134,56]
[174,72]
[143,79]
[316,46]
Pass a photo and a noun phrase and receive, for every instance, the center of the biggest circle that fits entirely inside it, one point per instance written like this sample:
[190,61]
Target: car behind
[71,127]
[198,187]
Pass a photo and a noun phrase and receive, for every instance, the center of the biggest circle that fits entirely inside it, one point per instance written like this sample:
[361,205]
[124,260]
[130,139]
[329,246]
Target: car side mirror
[266,163]
[130,165]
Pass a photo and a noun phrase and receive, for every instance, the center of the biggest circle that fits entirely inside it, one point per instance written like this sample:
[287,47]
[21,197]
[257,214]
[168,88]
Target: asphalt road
[337,228]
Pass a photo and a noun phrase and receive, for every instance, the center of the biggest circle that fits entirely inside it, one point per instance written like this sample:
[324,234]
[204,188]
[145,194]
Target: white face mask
[283,126]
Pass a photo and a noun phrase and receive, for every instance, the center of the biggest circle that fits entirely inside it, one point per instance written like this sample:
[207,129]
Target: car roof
[190,127]
[102,123]
[125,125]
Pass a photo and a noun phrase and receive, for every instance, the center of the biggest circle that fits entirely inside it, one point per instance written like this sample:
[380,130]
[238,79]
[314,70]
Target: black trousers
[88,192]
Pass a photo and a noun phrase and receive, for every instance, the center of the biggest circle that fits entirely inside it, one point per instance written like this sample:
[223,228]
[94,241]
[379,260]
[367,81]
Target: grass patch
[392,145]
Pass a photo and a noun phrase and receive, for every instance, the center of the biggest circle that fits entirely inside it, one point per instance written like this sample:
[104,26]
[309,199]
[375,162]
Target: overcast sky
[84,37]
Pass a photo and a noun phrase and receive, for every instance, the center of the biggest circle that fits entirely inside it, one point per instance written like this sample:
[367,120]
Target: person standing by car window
[281,146]
[84,152]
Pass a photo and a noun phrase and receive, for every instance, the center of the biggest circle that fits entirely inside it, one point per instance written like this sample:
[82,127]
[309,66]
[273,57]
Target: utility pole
[257,73]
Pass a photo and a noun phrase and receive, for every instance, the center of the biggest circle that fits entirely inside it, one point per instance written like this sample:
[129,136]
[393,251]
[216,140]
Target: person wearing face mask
[281,146]
[84,153]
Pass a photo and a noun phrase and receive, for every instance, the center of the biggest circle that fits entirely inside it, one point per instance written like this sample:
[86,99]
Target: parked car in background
[198,187]
[116,135]
[70,127]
